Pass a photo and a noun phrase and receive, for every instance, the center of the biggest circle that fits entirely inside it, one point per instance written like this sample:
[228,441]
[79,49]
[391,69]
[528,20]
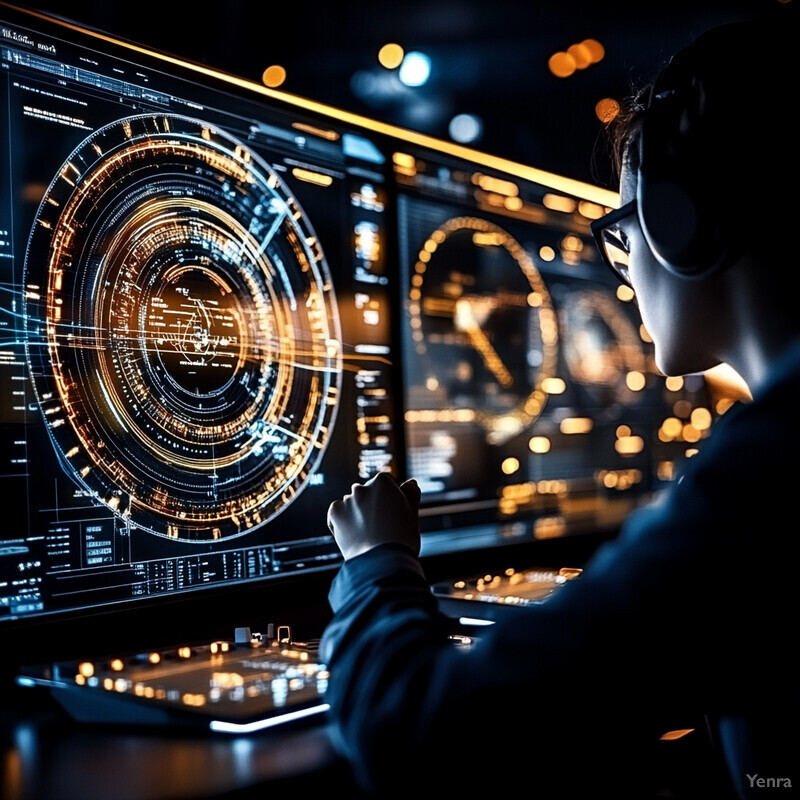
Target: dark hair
[622,132]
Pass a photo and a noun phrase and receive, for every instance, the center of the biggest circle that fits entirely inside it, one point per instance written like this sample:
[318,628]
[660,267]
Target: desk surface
[44,755]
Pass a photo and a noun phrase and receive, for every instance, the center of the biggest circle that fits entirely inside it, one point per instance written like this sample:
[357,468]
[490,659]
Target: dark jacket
[683,620]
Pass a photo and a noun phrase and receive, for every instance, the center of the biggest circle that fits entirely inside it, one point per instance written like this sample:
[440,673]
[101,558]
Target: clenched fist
[376,512]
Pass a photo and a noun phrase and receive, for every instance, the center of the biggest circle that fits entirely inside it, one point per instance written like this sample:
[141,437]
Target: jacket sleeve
[410,707]
[571,696]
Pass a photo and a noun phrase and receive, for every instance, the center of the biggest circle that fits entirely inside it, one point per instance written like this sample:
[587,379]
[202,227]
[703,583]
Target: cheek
[642,267]
[650,282]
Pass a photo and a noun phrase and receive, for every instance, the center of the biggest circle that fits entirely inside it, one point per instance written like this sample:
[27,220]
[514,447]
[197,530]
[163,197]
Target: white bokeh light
[415,69]
[465,128]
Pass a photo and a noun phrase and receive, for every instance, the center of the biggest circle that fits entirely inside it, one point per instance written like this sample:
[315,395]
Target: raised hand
[376,512]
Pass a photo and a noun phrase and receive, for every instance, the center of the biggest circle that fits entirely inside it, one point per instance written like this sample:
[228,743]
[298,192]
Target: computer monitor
[223,305]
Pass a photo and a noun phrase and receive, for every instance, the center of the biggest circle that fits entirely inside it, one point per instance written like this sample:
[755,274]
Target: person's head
[704,157]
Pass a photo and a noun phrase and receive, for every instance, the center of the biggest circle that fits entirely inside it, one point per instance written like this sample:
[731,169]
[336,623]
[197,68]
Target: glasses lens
[617,250]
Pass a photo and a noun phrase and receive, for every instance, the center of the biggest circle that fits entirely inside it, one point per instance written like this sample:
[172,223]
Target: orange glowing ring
[183,333]
[483,325]
[601,347]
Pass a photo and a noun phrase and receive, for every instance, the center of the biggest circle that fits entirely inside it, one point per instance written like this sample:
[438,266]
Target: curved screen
[222,306]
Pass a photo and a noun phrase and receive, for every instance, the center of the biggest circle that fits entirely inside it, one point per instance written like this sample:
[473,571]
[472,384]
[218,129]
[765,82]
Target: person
[684,619]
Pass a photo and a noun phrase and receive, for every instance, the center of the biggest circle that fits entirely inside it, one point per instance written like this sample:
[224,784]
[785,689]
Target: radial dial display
[601,347]
[184,335]
[482,325]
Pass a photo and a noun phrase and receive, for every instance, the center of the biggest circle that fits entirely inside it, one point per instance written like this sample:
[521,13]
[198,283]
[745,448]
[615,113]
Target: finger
[329,517]
[412,492]
[383,477]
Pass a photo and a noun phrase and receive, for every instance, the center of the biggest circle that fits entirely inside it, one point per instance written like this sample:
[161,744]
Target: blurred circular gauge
[602,348]
[482,325]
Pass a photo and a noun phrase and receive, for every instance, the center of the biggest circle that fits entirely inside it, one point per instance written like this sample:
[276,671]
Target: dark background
[489,58]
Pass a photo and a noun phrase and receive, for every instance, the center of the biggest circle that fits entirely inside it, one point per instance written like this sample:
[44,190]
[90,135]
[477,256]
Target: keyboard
[487,595]
[248,683]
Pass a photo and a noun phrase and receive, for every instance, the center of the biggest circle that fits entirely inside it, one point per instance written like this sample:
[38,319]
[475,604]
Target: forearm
[381,646]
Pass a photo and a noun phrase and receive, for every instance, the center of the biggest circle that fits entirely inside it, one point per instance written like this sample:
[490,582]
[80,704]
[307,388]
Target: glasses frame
[601,224]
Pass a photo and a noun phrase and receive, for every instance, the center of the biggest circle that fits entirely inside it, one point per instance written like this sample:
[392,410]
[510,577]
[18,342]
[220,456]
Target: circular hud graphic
[187,341]
[483,325]
[602,346]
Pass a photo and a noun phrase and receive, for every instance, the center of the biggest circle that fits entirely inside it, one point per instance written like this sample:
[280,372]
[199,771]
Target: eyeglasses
[612,242]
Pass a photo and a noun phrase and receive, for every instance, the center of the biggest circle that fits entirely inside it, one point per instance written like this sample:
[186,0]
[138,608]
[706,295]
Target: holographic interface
[222,306]
[182,331]
[198,351]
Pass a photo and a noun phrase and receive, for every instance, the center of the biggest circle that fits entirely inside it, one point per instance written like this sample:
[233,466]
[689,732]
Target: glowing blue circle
[465,128]
[415,69]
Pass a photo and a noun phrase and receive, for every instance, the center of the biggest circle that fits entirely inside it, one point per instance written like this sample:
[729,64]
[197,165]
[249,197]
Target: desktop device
[223,305]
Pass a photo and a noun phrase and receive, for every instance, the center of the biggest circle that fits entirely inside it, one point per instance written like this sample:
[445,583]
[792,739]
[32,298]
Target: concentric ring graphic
[184,338]
[602,346]
[483,325]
